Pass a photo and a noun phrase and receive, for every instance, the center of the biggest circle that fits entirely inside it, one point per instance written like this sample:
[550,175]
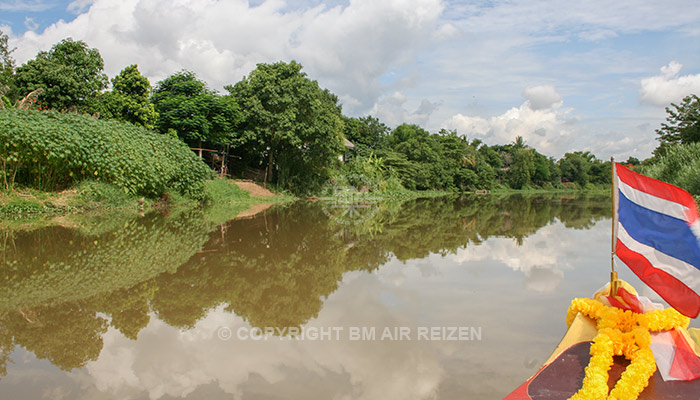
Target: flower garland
[621,333]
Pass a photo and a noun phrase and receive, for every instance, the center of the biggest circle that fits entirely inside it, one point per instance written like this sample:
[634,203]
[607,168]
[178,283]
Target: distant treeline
[280,126]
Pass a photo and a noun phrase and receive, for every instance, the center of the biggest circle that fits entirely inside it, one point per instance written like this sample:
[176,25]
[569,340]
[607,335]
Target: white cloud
[79,6]
[166,361]
[585,20]
[392,111]
[639,143]
[540,120]
[669,86]
[26,5]
[446,32]
[347,49]
[30,24]
[542,264]
[542,97]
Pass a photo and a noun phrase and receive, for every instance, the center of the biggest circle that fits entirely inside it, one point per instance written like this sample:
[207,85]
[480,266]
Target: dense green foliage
[105,194]
[70,75]
[52,150]
[290,125]
[129,99]
[7,69]
[186,106]
[679,166]
[448,161]
[677,158]
[366,133]
[682,124]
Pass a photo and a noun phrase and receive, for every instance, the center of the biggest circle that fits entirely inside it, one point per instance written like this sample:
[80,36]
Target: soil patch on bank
[253,188]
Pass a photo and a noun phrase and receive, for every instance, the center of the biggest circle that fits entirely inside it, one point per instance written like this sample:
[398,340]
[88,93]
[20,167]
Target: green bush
[680,166]
[369,173]
[50,150]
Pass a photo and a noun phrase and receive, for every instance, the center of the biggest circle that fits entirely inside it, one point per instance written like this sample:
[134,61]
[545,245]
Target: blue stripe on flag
[666,234]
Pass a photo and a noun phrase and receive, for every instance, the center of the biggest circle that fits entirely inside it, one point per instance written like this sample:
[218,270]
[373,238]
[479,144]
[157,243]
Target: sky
[589,75]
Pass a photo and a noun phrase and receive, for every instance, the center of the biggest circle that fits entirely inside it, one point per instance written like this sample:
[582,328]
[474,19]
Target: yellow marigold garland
[621,333]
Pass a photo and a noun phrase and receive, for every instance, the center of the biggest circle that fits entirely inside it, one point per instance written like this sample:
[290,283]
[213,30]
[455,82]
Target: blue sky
[566,76]
[36,15]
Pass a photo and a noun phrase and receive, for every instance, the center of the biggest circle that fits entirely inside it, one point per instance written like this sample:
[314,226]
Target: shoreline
[30,204]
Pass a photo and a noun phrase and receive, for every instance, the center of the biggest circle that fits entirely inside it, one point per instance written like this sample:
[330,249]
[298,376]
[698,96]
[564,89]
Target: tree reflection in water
[63,288]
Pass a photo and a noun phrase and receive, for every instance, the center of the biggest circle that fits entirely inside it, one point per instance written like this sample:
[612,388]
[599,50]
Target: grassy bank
[222,200]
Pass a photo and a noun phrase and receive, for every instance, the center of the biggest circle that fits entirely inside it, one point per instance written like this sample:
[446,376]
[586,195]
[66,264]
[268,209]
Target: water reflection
[139,302]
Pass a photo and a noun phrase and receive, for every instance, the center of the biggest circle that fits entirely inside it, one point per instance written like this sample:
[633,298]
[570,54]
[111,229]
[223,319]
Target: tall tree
[541,172]
[682,124]
[70,74]
[7,64]
[292,125]
[523,167]
[367,132]
[414,144]
[519,143]
[128,100]
[575,166]
[185,105]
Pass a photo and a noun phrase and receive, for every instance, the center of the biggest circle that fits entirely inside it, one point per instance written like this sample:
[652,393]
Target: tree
[70,74]
[128,100]
[523,166]
[541,173]
[598,171]
[682,126]
[632,161]
[185,105]
[422,170]
[574,167]
[367,132]
[519,143]
[490,156]
[289,124]
[7,67]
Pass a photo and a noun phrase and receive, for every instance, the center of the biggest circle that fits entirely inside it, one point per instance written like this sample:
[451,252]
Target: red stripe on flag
[631,300]
[686,364]
[659,189]
[617,303]
[677,294]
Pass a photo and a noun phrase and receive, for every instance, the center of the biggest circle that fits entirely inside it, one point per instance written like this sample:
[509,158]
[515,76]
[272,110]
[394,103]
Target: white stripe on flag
[653,203]
[679,269]
[695,227]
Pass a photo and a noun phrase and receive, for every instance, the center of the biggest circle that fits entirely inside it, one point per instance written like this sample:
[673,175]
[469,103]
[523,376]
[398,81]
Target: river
[424,299]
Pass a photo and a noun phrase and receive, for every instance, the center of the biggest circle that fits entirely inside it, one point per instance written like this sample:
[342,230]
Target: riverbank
[223,200]
[222,195]
[594,189]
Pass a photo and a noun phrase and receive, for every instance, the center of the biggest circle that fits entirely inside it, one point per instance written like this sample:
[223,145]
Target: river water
[422,299]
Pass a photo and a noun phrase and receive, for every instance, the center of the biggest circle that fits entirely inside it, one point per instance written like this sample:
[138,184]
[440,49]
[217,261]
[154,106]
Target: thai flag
[658,237]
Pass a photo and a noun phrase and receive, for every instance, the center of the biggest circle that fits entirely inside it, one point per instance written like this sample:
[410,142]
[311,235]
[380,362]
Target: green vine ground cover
[49,150]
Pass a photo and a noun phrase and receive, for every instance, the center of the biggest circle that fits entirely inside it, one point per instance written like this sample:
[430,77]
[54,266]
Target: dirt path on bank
[253,188]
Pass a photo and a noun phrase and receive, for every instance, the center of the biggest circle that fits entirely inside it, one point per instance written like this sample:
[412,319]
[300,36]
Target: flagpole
[613,273]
